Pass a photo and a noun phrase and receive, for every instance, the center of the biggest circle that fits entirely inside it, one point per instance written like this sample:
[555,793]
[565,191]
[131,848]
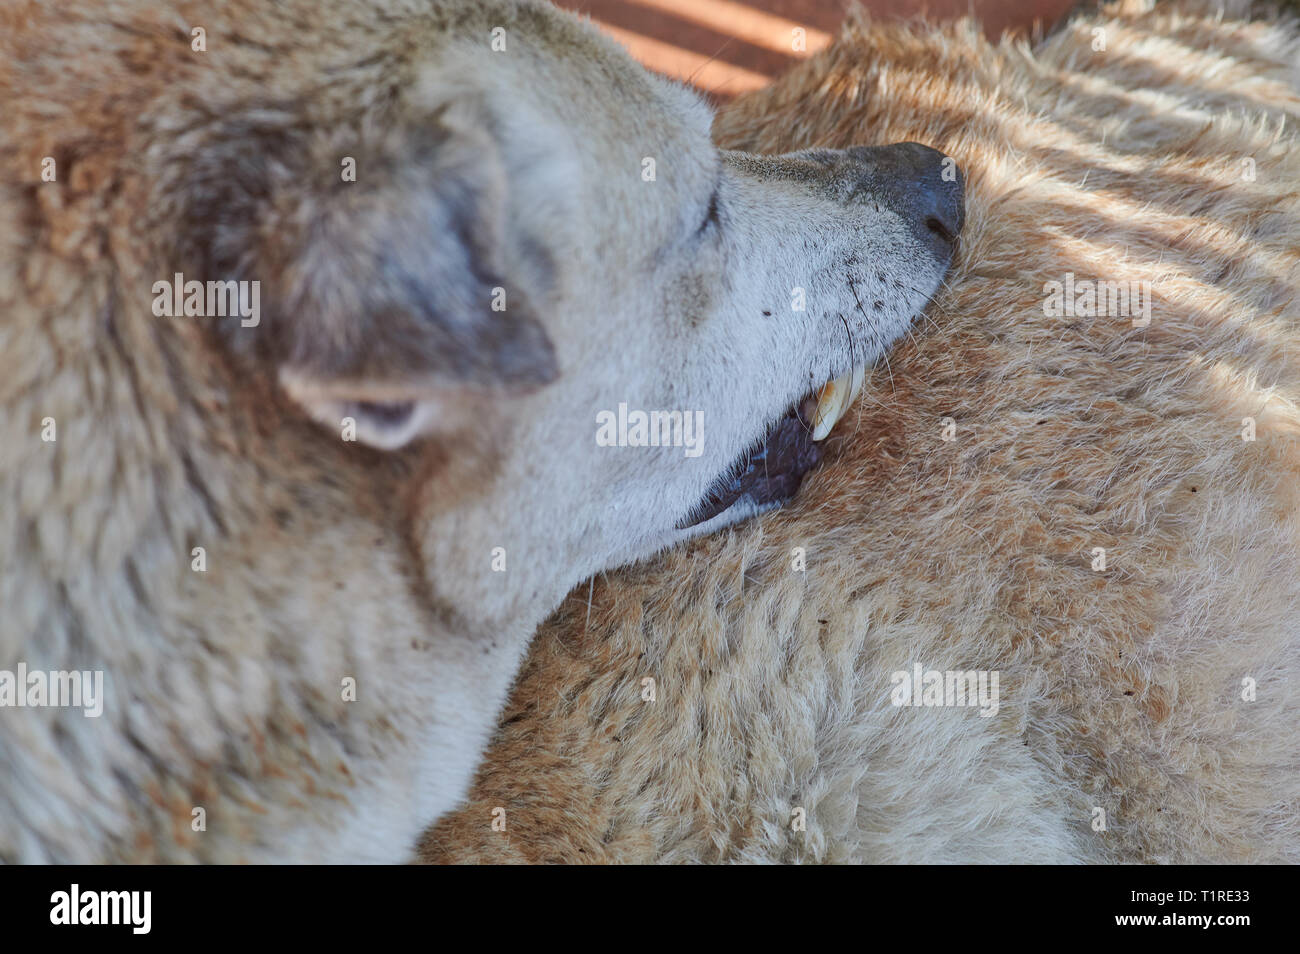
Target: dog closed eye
[711,213]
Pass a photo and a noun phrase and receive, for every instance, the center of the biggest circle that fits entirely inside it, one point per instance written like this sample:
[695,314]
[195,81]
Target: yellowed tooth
[831,400]
[834,399]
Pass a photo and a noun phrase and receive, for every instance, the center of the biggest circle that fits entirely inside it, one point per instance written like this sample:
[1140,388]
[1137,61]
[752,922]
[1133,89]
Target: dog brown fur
[1121,689]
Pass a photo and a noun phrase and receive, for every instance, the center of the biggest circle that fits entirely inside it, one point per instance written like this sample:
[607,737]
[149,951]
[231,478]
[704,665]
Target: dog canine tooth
[834,399]
[831,401]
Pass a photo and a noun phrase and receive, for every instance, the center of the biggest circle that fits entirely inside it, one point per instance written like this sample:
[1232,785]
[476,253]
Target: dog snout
[920,183]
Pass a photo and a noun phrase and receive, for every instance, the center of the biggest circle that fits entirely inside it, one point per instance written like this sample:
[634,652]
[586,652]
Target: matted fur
[1120,689]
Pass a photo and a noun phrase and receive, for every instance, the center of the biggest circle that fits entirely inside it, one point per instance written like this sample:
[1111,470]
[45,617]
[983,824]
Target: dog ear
[390,300]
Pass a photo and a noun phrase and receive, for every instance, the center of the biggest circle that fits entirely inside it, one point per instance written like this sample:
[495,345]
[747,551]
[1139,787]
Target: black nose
[921,184]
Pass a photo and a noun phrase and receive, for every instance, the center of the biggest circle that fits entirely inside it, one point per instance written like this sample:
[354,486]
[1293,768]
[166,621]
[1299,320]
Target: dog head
[542,257]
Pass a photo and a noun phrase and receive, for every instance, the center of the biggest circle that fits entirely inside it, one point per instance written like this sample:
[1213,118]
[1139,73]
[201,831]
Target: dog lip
[768,472]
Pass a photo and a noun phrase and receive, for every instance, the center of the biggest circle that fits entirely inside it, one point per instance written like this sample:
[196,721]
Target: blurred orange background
[725,47]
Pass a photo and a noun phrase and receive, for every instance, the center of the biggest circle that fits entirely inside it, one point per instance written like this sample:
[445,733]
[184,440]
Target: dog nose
[920,183]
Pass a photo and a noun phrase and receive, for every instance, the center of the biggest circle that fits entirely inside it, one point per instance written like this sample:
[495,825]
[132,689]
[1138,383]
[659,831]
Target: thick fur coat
[1148,709]
[303,547]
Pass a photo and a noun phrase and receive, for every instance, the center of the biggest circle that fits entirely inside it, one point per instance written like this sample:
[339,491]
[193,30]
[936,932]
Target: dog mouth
[768,473]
